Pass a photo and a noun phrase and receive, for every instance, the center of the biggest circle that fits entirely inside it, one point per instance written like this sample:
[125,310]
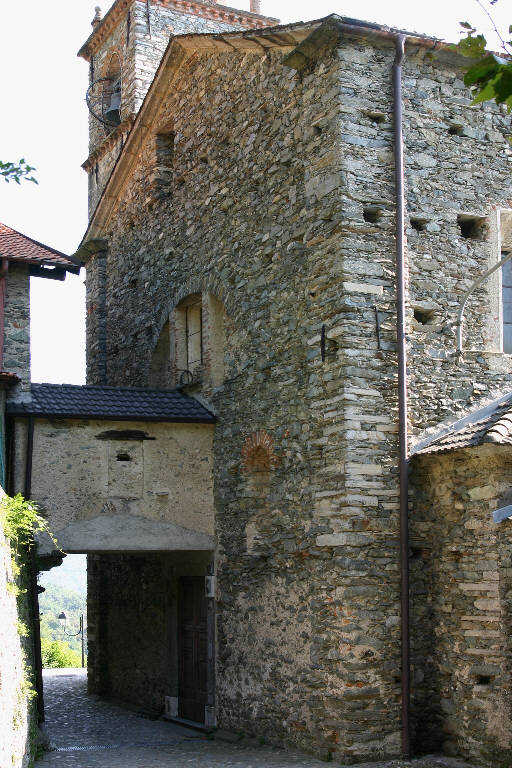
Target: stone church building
[248,208]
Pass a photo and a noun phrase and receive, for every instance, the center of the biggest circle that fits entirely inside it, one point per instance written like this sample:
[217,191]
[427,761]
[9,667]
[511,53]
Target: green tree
[17,171]
[54,600]
[57,654]
[490,75]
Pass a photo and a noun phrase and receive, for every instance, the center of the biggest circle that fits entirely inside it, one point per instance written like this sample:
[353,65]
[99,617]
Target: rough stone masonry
[278,202]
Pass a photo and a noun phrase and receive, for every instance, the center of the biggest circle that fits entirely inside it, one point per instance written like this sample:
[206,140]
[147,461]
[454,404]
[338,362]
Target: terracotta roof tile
[491,425]
[17,247]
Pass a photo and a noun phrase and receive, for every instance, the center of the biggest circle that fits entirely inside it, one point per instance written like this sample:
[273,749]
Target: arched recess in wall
[197,340]
[112,91]
[160,366]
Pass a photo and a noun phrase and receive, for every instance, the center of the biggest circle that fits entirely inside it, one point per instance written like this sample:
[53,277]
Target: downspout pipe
[402,394]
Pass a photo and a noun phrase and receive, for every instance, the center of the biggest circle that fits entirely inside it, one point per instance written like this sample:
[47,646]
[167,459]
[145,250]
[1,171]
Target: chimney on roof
[97,17]
[255,6]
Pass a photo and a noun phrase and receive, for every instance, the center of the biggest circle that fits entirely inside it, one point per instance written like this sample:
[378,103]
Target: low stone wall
[461,604]
[16,712]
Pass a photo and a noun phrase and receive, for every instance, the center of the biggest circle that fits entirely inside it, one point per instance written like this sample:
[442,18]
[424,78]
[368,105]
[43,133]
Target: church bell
[112,114]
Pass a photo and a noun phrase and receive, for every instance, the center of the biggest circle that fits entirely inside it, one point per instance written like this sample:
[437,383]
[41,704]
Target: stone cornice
[193,7]
[108,143]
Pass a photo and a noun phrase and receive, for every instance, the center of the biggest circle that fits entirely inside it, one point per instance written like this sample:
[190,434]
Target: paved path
[86,732]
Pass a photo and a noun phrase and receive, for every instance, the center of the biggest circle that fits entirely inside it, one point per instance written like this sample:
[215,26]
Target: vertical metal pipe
[402,392]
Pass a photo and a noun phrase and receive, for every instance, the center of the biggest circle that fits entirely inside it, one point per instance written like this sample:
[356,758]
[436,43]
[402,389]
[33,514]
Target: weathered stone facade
[280,204]
[135,597]
[130,46]
[17,326]
[102,491]
[461,602]
[17,715]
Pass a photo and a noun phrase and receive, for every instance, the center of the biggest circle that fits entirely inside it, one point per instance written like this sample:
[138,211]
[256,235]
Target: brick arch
[107,64]
[258,453]
[209,285]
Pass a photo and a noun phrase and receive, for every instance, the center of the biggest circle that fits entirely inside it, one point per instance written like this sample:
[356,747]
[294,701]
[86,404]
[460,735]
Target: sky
[42,91]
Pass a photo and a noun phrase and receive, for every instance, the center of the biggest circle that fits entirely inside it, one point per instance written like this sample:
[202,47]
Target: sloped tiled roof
[17,247]
[491,425]
[115,403]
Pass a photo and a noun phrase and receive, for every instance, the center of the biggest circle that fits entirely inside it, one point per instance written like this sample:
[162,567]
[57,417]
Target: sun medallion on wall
[258,453]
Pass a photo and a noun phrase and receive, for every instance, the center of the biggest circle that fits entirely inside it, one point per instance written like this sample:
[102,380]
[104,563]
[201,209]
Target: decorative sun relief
[258,453]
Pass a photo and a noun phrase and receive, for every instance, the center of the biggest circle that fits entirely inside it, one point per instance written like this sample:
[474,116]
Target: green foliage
[20,520]
[54,600]
[57,653]
[491,75]
[17,171]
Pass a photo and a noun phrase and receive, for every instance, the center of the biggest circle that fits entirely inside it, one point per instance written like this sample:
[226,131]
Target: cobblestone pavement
[87,732]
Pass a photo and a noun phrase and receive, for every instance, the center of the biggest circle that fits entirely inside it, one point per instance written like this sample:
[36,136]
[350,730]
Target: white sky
[42,91]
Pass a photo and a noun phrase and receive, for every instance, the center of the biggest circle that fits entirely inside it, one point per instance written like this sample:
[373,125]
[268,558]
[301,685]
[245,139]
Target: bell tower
[124,51]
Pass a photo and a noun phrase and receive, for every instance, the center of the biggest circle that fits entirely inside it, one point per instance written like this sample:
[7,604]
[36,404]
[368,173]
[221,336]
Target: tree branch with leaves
[491,74]
[17,171]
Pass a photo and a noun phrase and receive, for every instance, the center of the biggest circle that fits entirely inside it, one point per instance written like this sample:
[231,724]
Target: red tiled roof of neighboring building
[17,247]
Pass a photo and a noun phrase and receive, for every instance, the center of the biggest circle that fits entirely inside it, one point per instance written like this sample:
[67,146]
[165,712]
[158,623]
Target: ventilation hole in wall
[456,129]
[123,457]
[416,553]
[420,225]
[471,227]
[484,679]
[423,316]
[397,679]
[372,215]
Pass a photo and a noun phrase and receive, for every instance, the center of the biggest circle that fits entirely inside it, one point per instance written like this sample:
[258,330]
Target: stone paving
[87,732]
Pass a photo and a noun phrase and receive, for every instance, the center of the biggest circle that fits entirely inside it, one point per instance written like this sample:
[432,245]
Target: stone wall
[135,46]
[282,207]
[133,626]
[17,327]
[101,491]
[461,612]
[17,716]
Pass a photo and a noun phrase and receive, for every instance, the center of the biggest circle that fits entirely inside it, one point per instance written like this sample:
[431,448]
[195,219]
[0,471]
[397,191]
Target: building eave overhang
[299,41]
[192,7]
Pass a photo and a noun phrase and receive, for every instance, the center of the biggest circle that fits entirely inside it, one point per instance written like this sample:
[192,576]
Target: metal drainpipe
[36,630]
[402,392]
[3,275]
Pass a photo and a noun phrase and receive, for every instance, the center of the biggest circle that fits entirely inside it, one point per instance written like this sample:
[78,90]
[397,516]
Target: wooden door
[192,648]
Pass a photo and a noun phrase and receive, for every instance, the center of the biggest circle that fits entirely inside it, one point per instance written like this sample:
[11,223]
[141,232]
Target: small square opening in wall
[371,214]
[484,679]
[424,316]
[420,225]
[472,227]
